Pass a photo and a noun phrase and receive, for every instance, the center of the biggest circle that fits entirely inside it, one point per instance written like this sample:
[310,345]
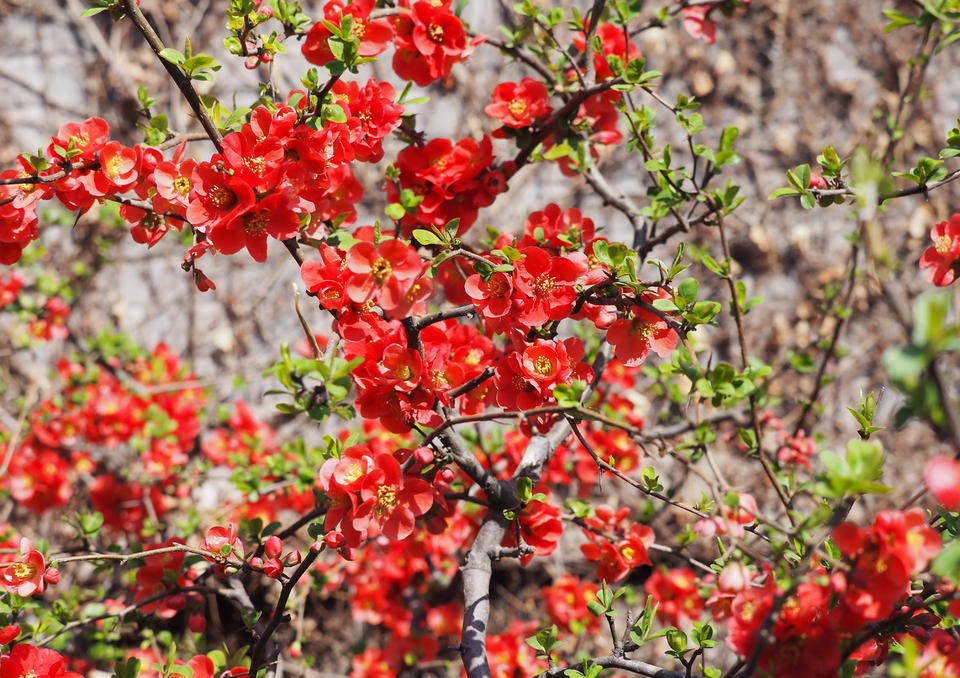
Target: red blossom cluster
[370,494]
[827,610]
[615,546]
[104,407]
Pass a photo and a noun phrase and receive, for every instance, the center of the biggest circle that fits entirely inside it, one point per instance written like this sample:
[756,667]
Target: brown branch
[132,10]
[614,662]
[257,654]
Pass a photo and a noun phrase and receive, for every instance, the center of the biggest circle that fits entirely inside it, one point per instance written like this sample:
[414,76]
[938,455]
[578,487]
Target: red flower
[374,35]
[635,335]
[430,41]
[491,297]
[566,603]
[540,527]
[616,560]
[271,216]
[381,272]
[558,228]
[943,256]
[676,592]
[119,170]
[519,104]
[548,284]
[223,542]
[27,660]
[391,501]
[25,575]
[88,137]
[217,197]
[614,43]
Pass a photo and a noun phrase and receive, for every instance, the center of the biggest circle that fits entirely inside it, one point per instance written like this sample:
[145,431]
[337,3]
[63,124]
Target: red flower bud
[52,576]
[8,634]
[447,475]
[177,602]
[197,623]
[273,568]
[333,540]
[424,455]
[817,181]
[273,546]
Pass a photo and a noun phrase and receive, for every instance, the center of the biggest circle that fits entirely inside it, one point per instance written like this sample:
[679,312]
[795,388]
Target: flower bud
[8,634]
[197,623]
[52,576]
[273,546]
[177,602]
[273,568]
[334,540]
[424,455]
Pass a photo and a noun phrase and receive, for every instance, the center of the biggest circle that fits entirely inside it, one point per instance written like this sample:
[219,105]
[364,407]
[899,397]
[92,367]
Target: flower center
[182,185]
[517,107]
[628,552]
[943,244]
[387,498]
[403,372]
[256,224]
[352,473]
[497,287]
[381,269]
[112,169]
[255,165]
[543,365]
[436,32]
[221,197]
[151,221]
[24,571]
[544,284]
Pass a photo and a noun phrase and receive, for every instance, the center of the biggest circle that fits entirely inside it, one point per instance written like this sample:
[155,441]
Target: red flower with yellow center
[519,104]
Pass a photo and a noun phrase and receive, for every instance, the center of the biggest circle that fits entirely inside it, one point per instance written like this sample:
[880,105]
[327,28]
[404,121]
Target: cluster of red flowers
[371,494]
[828,609]
[430,39]
[616,547]
[105,407]
[276,176]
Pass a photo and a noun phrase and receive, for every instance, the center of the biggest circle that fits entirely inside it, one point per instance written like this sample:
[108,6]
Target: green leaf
[425,237]
[783,191]
[173,56]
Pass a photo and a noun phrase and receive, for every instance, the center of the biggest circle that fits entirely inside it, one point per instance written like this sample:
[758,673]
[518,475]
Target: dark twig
[132,10]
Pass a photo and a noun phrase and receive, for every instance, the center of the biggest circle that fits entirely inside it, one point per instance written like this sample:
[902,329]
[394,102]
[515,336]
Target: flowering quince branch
[529,334]
[614,662]
[131,9]
[258,658]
